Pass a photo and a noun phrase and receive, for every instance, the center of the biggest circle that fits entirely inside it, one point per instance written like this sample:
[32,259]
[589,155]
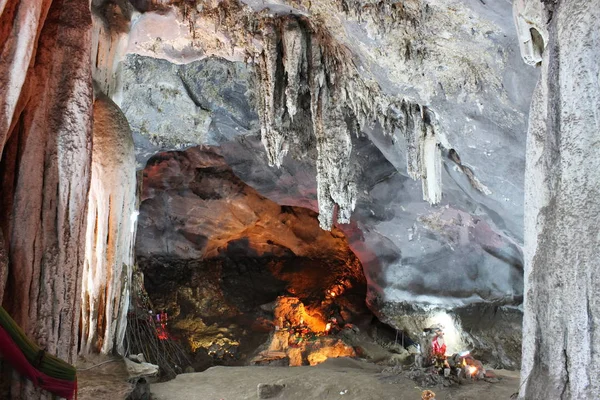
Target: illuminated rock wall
[215,254]
[110,231]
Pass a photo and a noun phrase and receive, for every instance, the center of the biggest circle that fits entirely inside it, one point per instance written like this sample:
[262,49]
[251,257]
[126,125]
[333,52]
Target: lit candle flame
[327,327]
[471,370]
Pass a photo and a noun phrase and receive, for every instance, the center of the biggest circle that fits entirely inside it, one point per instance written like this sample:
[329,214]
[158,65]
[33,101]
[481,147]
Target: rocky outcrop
[45,133]
[110,232]
[561,353]
[204,102]
[216,254]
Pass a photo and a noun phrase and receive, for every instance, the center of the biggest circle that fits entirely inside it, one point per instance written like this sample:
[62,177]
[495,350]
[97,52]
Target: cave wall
[400,116]
[561,353]
[216,255]
[45,138]
[409,103]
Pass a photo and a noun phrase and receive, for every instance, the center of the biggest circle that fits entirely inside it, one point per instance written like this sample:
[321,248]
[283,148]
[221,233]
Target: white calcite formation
[312,73]
[561,351]
[109,237]
[531,30]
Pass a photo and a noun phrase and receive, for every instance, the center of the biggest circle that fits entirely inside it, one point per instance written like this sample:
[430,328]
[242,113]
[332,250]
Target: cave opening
[242,279]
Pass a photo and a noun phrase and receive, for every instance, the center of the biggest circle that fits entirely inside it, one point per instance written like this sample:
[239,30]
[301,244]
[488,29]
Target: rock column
[45,132]
[561,350]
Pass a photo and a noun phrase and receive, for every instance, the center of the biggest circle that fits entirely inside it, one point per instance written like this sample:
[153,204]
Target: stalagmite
[109,237]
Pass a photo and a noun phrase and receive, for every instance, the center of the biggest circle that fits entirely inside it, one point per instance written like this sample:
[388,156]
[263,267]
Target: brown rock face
[45,134]
[216,255]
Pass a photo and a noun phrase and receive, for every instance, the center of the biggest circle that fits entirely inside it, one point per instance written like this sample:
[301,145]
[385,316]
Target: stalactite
[272,137]
[298,57]
[432,168]
[294,63]
[109,236]
[110,28]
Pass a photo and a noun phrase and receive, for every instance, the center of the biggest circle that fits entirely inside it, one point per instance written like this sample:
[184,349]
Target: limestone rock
[45,137]
[110,232]
[173,107]
[562,261]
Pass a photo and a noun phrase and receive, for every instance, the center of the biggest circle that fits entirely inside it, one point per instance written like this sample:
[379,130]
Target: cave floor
[357,380]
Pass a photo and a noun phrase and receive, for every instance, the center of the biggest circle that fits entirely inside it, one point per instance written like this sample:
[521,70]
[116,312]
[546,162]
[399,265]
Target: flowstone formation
[45,155]
[110,232]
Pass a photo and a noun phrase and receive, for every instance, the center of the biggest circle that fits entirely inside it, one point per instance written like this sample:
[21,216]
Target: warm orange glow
[327,327]
[471,370]
[292,311]
[333,294]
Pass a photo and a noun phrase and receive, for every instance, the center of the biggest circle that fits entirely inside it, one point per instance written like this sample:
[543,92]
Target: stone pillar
[561,350]
[45,133]
[110,231]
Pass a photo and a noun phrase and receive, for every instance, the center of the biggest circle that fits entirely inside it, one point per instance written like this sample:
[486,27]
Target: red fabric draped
[439,349]
[17,359]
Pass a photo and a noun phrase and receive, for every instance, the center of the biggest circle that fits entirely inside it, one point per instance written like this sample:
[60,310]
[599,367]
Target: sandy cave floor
[361,380]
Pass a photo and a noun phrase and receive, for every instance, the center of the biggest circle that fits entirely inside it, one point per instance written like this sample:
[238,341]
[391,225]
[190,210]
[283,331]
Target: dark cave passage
[230,267]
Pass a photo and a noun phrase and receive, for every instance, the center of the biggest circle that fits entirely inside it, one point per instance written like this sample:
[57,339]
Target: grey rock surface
[173,107]
[561,353]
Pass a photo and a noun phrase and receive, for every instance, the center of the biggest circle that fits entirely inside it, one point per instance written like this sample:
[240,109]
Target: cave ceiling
[402,123]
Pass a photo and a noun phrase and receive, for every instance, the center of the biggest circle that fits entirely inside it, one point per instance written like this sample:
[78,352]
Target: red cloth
[438,350]
[17,359]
